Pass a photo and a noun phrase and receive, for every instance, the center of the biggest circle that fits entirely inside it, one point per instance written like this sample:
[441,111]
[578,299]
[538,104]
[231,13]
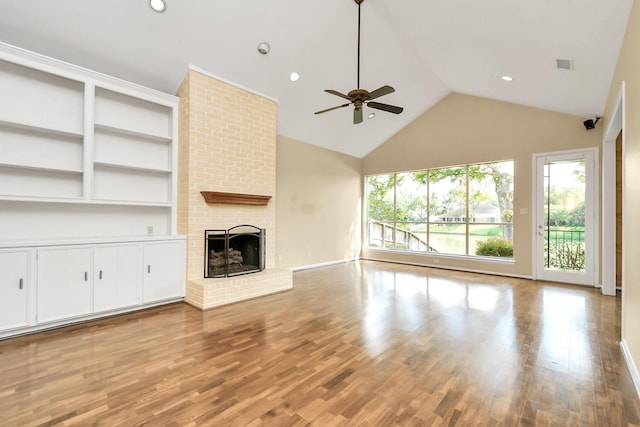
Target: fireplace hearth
[238,250]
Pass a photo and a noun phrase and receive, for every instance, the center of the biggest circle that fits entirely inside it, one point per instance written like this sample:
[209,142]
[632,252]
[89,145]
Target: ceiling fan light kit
[158,5]
[360,97]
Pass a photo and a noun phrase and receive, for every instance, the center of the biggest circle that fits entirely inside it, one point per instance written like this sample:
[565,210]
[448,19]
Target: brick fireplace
[227,146]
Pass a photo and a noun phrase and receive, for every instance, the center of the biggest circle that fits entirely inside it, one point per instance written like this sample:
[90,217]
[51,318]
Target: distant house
[483,213]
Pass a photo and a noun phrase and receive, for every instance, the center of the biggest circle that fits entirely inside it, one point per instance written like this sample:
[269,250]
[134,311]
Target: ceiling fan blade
[336,93]
[384,90]
[385,107]
[332,108]
[357,116]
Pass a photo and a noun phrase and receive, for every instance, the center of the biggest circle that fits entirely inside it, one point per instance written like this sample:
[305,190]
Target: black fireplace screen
[238,250]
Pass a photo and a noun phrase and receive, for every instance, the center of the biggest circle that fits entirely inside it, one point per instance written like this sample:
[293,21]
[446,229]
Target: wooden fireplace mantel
[235,198]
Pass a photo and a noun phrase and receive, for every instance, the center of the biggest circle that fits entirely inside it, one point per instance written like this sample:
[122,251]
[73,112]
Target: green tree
[503,187]
[380,197]
[502,183]
[411,207]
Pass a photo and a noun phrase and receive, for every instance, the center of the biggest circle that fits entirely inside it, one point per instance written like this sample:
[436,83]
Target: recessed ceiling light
[507,78]
[294,77]
[372,115]
[158,5]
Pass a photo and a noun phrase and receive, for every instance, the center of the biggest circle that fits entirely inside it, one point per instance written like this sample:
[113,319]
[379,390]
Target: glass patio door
[565,217]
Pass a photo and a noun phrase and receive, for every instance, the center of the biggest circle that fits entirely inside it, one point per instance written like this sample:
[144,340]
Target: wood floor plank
[362,343]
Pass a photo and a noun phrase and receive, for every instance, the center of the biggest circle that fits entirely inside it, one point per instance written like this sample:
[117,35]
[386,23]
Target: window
[461,210]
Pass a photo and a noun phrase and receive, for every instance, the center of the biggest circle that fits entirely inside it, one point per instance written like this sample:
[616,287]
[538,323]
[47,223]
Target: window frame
[469,221]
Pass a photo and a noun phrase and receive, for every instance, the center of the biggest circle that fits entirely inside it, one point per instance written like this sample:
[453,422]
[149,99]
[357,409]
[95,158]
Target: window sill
[432,255]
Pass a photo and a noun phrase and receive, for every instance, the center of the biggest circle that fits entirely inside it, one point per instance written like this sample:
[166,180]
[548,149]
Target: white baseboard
[323,264]
[633,369]
[444,267]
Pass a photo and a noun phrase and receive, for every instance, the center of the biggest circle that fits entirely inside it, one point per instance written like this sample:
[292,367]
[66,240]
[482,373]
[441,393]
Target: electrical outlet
[149,230]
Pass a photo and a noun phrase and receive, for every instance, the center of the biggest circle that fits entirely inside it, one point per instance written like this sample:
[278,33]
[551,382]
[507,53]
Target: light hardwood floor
[361,343]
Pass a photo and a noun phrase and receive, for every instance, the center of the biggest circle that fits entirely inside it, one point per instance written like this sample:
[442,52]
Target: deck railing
[381,234]
[564,249]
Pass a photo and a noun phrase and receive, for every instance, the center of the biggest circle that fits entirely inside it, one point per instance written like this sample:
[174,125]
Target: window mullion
[428,218]
[467,212]
[395,211]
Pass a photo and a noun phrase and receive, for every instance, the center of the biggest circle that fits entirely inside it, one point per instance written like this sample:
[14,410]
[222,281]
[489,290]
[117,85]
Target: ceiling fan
[360,97]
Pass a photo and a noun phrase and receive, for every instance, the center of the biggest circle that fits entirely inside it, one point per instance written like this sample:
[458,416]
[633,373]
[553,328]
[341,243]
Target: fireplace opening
[238,250]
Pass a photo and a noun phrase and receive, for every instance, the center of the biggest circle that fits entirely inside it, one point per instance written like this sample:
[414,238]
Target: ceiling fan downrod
[358,2]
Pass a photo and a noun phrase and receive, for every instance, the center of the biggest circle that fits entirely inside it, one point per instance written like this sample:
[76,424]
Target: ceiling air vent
[564,64]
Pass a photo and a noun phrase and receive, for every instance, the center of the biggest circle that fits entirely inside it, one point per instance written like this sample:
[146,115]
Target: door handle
[21,283]
[86,276]
[149,268]
[100,275]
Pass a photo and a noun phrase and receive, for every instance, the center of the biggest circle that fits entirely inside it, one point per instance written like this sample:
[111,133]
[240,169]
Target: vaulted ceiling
[425,49]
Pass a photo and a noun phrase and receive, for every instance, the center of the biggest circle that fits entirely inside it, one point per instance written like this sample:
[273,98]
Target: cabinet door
[115,277]
[14,282]
[164,271]
[64,283]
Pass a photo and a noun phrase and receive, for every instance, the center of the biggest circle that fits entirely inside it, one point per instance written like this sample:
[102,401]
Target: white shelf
[36,242]
[131,167]
[40,168]
[132,132]
[82,201]
[41,130]
[131,203]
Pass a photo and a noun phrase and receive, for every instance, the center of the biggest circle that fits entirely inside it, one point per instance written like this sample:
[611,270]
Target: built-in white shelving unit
[72,136]
[88,179]
[124,124]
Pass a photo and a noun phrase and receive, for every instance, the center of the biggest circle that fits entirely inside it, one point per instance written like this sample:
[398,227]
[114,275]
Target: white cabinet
[14,289]
[46,284]
[164,271]
[64,283]
[116,276]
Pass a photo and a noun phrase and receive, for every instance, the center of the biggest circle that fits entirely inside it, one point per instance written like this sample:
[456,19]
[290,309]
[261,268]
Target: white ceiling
[425,49]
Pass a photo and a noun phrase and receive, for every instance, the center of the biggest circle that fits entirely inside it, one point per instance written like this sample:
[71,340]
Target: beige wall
[466,129]
[628,70]
[227,143]
[319,205]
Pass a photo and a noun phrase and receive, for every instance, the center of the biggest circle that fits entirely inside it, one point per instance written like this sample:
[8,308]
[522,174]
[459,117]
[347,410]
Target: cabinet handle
[86,276]
[149,268]
[21,283]
[100,275]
